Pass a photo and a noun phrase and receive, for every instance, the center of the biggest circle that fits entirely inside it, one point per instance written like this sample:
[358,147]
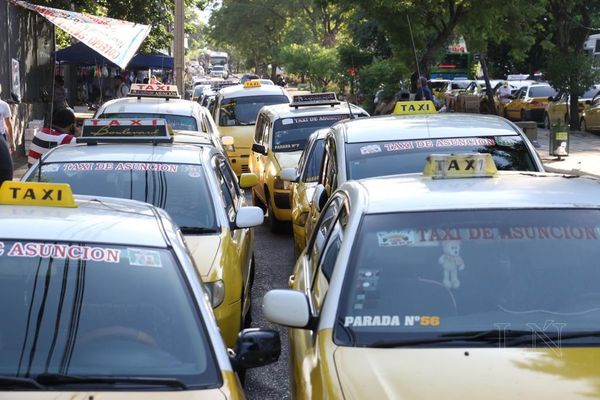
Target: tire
[582,125]
[275,225]
[546,121]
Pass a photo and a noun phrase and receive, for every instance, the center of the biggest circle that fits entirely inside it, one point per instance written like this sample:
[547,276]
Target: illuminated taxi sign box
[314,99]
[252,84]
[154,90]
[37,194]
[414,107]
[447,166]
[151,130]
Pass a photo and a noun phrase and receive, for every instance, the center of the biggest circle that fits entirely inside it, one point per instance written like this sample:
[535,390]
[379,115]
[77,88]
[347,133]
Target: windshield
[291,134]
[541,91]
[178,122]
[371,159]
[312,169]
[93,310]
[447,274]
[244,110]
[181,189]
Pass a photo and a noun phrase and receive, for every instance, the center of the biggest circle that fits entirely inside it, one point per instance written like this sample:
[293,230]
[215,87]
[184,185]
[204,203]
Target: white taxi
[422,286]
[399,143]
[100,298]
[193,183]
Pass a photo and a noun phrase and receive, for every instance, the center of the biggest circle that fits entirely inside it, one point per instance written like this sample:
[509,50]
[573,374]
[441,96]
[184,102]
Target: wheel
[546,121]
[256,201]
[582,125]
[275,225]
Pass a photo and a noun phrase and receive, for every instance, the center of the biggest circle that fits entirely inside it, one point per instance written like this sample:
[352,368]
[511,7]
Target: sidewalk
[19,165]
[583,158]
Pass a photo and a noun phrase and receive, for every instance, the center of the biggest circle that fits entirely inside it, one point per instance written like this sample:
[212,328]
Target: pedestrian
[504,92]
[423,91]
[6,128]
[63,131]
[122,88]
[6,166]
[60,93]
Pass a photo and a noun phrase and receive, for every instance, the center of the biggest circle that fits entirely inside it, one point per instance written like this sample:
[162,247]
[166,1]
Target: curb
[576,172]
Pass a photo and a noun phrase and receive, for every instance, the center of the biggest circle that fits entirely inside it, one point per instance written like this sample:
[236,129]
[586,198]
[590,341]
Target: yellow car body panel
[230,390]
[514,108]
[301,196]
[242,139]
[557,110]
[226,257]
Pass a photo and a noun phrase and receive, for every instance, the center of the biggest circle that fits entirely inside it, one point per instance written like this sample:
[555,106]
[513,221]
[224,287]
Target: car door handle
[291,280]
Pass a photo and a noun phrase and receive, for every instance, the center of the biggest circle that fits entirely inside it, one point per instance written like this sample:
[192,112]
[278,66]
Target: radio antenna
[352,116]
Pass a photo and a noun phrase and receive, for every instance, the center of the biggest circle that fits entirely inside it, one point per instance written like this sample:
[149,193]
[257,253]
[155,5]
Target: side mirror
[286,307]
[259,148]
[320,197]
[256,347]
[289,174]
[248,180]
[227,140]
[248,217]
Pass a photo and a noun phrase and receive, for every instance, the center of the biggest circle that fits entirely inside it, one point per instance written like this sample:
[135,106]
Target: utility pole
[179,45]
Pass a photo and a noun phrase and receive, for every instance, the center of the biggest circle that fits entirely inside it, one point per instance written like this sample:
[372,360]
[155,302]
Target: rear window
[541,91]
[244,110]
[181,189]
[93,310]
[178,122]
[371,159]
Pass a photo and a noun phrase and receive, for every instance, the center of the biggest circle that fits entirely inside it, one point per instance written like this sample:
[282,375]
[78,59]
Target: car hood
[204,249]
[491,373]
[288,159]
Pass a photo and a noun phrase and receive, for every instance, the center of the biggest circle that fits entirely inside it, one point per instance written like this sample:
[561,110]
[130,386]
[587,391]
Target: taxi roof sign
[414,107]
[140,90]
[314,99]
[37,194]
[253,83]
[447,166]
[137,130]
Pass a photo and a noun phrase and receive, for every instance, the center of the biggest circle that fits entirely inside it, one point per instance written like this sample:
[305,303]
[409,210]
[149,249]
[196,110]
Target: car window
[91,309]
[365,160]
[178,122]
[227,195]
[313,162]
[541,91]
[230,179]
[180,189]
[590,93]
[244,110]
[420,275]
[322,230]
[330,171]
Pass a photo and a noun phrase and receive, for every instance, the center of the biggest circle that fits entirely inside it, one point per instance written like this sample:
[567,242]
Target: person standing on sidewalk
[6,129]
[63,131]
[6,166]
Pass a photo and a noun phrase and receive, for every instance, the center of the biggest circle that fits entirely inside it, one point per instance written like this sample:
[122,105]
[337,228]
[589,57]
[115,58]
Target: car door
[592,115]
[328,179]
[514,107]
[311,276]
[257,164]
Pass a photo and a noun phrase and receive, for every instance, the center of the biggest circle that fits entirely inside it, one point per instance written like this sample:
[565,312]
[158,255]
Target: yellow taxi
[303,182]
[529,103]
[557,109]
[280,137]
[460,282]
[100,299]
[194,183]
[590,120]
[235,111]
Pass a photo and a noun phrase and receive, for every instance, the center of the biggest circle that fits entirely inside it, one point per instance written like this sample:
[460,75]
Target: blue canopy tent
[82,54]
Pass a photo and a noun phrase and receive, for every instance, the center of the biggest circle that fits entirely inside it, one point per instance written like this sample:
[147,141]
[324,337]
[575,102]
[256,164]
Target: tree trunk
[574,112]
[488,87]
[273,72]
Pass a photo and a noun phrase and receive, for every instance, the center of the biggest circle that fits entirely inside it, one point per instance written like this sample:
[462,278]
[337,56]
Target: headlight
[302,218]
[216,292]
[281,184]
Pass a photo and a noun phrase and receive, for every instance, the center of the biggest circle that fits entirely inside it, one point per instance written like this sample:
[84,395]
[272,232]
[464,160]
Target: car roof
[94,220]
[424,126]
[177,153]
[414,192]
[241,91]
[277,111]
[149,105]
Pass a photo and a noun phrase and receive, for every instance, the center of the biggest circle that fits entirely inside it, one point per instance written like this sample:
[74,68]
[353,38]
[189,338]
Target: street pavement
[583,158]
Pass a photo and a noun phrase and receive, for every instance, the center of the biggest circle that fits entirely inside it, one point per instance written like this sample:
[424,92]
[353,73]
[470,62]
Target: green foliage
[317,63]
[383,74]
[573,72]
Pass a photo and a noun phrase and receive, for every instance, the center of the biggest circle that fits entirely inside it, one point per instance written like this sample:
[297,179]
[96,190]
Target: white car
[219,71]
[100,295]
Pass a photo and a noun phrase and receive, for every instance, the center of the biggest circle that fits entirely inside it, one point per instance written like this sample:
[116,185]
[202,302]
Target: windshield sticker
[421,320]
[193,171]
[396,238]
[507,141]
[69,168]
[144,258]
[372,320]
[63,251]
[51,168]
[287,121]
[319,118]
[373,148]
[431,144]
[287,146]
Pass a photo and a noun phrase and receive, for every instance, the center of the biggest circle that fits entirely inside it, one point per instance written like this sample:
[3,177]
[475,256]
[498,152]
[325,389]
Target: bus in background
[219,58]
[455,65]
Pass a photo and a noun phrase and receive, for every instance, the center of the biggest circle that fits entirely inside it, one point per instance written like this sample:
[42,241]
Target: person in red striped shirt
[63,131]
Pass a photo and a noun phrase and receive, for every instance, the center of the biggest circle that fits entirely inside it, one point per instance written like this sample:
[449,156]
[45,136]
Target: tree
[317,63]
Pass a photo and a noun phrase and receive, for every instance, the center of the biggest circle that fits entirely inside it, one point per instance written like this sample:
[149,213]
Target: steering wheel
[121,332]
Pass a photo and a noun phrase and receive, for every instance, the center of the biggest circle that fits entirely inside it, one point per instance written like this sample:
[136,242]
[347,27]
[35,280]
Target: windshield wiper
[492,335]
[61,379]
[14,382]
[196,230]
[551,337]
